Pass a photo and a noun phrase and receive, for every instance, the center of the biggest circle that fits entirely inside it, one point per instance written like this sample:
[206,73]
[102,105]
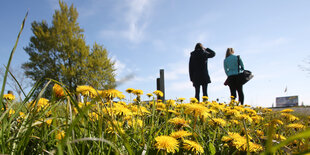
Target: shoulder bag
[246,75]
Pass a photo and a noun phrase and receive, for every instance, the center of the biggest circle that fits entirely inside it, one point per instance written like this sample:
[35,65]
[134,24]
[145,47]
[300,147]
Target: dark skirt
[233,80]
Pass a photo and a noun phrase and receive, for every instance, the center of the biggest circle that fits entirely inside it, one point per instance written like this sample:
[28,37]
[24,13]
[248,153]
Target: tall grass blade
[9,62]
[20,87]
[304,134]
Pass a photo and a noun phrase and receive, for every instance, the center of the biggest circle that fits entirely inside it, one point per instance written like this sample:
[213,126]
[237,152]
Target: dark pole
[162,83]
[157,84]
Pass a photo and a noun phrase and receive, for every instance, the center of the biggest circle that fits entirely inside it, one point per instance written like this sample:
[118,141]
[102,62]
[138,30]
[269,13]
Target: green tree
[60,52]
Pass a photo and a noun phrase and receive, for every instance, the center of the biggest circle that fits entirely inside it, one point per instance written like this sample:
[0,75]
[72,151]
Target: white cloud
[119,66]
[180,86]
[176,70]
[144,78]
[187,52]
[134,17]
[261,45]
[54,4]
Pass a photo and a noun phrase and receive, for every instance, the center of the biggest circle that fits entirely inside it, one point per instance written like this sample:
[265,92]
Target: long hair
[229,52]
[198,47]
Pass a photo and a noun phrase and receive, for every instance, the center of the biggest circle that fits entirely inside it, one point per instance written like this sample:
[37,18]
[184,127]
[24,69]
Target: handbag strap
[238,56]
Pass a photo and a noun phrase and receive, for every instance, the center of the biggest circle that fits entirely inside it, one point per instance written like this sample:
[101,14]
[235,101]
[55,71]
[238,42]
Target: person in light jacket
[198,69]
[232,70]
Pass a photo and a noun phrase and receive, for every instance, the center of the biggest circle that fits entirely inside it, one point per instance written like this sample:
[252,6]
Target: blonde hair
[229,52]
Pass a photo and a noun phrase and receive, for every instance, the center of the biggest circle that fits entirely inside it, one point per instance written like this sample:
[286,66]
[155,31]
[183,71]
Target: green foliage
[59,52]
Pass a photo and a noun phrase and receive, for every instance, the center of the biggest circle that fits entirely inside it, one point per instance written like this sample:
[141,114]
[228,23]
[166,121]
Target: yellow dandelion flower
[213,111]
[205,115]
[296,126]
[143,110]
[193,100]
[257,119]
[240,142]
[111,130]
[217,122]
[11,112]
[232,112]
[121,96]
[289,117]
[260,133]
[86,91]
[287,111]
[231,136]
[160,105]
[195,109]
[181,99]
[93,116]
[60,135]
[279,137]
[167,143]
[180,134]
[42,104]
[173,112]
[277,122]
[139,110]
[88,103]
[122,103]
[217,106]
[22,115]
[158,93]
[245,117]
[170,102]
[179,122]
[255,147]
[226,139]
[205,98]
[126,118]
[129,90]
[9,97]
[122,110]
[58,90]
[110,94]
[149,95]
[249,111]
[192,146]
[234,122]
[138,92]
[239,108]
[161,109]
[48,121]
[135,122]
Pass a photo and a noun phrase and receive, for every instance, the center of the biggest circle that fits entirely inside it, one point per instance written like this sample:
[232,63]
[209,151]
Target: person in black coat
[198,68]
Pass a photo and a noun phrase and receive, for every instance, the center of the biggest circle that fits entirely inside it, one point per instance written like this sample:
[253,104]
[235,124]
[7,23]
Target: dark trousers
[204,90]
[235,86]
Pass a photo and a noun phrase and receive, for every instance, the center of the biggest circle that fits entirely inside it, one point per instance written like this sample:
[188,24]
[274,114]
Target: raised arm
[210,53]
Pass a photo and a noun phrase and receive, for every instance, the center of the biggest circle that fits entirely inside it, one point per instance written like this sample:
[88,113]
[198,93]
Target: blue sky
[143,36]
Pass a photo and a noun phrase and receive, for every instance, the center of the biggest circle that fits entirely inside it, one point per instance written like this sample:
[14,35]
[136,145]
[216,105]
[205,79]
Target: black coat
[198,66]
